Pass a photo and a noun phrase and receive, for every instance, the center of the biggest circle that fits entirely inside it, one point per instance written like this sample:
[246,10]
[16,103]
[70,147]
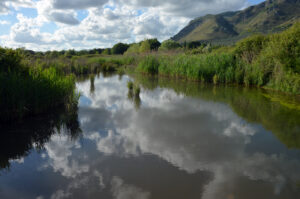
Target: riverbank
[33,84]
[27,90]
[268,61]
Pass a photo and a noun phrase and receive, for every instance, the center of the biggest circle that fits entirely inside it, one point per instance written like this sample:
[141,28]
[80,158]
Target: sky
[85,24]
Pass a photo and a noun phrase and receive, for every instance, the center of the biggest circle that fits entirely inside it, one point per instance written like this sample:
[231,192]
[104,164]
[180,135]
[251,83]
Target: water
[176,140]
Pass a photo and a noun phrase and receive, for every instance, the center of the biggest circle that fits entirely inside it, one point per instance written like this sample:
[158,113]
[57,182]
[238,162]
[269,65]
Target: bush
[9,60]
[106,51]
[154,44]
[133,49]
[145,47]
[248,49]
[169,45]
[119,49]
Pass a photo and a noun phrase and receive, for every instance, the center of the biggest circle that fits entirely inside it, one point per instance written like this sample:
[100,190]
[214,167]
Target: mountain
[267,17]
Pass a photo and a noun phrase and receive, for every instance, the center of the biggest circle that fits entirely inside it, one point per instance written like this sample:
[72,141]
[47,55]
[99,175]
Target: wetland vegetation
[32,83]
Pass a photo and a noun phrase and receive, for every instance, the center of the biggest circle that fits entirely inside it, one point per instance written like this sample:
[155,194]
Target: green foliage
[248,49]
[154,44]
[266,61]
[106,51]
[169,45]
[149,65]
[145,47]
[133,49]
[28,91]
[70,53]
[119,49]
[192,45]
[9,60]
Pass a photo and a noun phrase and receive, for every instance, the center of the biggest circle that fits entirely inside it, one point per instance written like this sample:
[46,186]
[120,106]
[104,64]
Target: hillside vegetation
[226,28]
[271,61]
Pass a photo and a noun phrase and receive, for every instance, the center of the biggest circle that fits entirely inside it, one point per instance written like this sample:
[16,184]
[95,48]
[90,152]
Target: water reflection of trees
[18,139]
[254,105]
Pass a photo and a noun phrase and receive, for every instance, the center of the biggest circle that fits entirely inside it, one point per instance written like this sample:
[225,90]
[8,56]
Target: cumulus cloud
[66,18]
[109,21]
[77,4]
[3,22]
[188,8]
[6,4]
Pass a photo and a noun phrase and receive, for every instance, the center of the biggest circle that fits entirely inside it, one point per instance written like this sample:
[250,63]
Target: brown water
[177,140]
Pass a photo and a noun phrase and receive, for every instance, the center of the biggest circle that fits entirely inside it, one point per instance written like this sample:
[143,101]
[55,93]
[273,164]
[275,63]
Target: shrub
[133,49]
[169,45]
[119,49]
[145,47]
[248,49]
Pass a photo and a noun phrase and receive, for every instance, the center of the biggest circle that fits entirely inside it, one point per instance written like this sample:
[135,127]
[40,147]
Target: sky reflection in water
[169,146]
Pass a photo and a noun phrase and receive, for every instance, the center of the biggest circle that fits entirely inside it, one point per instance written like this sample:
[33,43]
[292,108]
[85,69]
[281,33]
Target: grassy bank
[26,90]
[82,65]
[271,61]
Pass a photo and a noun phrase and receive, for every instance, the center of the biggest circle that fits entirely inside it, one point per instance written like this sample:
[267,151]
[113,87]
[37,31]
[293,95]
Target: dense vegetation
[34,82]
[28,90]
[271,61]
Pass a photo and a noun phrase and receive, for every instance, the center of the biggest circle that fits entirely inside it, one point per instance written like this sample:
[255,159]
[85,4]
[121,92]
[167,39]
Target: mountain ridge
[267,17]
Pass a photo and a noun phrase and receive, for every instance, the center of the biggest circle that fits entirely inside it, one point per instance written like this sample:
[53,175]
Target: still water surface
[177,140]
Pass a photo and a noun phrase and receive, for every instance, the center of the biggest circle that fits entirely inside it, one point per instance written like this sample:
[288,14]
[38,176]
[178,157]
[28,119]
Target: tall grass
[28,91]
[82,65]
[271,61]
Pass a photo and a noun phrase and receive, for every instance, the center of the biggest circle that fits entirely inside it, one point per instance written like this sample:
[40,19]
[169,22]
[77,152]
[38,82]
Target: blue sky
[83,24]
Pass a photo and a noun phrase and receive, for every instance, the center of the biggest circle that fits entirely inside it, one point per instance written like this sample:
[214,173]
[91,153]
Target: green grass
[271,61]
[31,90]
[82,65]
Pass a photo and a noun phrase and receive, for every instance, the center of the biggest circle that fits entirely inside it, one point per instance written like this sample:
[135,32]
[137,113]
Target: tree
[145,46]
[119,48]
[106,51]
[134,48]
[169,45]
[154,44]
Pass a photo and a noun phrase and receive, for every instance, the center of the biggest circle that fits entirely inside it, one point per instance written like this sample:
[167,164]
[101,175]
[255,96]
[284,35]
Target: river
[175,140]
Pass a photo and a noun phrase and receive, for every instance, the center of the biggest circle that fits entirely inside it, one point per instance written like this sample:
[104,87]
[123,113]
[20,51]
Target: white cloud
[77,4]
[62,17]
[3,22]
[107,22]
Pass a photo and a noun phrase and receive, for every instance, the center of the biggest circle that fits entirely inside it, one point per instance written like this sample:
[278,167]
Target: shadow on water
[17,140]
[278,113]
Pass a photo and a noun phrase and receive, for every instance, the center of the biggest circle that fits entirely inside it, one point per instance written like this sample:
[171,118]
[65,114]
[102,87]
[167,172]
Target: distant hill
[269,16]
